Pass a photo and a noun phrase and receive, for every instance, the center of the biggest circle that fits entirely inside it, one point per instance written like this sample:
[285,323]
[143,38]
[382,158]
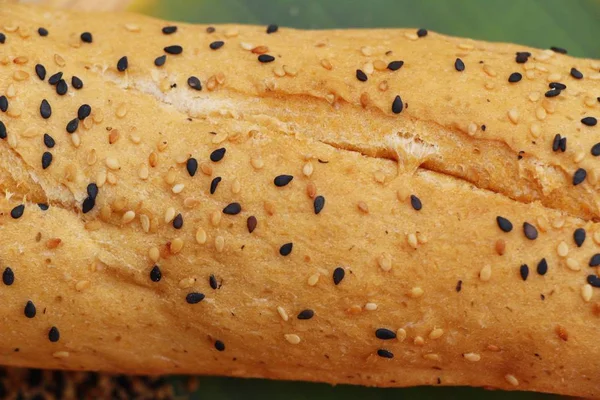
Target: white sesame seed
[416,292]
[535,130]
[132,27]
[412,240]
[513,116]
[596,237]
[540,113]
[366,51]
[558,222]
[432,356]
[219,244]
[257,163]
[12,141]
[284,315]
[145,221]
[236,186]
[511,379]
[472,129]
[313,279]
[178,188]
[101,178]
[143,172]
[368,68]
[201,236]
[486,273]
[60,354]
[587,292]
[169,214]
[112,163]
[562,249]
[534,96]
[246,46]
[215,217]
[436,333]
[489,70]
[176,245]
[401,334]
[292,338]
[307,169]
[385,261]
[411,35]
[579,156]
[573,264]
[128,217]
[419,341]
[555,77]
[154,254]
[370,306]
[473,357]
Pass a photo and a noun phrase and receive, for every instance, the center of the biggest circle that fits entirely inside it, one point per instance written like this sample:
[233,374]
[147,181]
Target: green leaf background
[571,24]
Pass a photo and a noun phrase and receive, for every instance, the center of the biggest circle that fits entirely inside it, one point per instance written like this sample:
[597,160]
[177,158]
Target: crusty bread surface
[297,204]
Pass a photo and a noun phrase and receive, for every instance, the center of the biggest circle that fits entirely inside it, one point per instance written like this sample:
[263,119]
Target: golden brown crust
[403,267]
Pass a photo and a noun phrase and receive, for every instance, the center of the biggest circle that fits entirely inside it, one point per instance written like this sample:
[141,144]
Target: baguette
[296,204]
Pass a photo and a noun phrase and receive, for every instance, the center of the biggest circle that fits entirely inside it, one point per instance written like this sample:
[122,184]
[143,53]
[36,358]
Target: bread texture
[297,204]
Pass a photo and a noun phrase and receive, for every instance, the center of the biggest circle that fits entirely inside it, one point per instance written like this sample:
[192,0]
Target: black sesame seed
[579,236]
[415,202]
[515,77]
[552,93]
[54,79]
[266,58]
[17,212]
[232,209]
[251,222]
[43,206]
[212,281]
[160,61]
[178,221]
[62,87]
[192,166]
[589,121]
[88,204]
[524,271]
[282,180]
[422,32]
[92,190]
[40,71]
[286,249]
[42,31]
[218,154]
[194,83]
[361,76]
[216,45]
[530,231]
[459,286]
[556,142]
[194,297]
[385,334]
[122,64]
[383,353]
[8,276]
[575,73]
[72,125]
[155,274]
[84,111]
[522,57]
[542,267]
[210,29]
[596,150]
[46,159]
[563,144]
[174,49]
[594,280]
[397,105]
[3,103]
[504,224]
[395,65]
[558,50]
[219,345]
[306,314]
[338,275]
[30,310]
[45,109]
[2,130]
[318,204]
[595,260]
[86,37]
[557,85]
[459,65]
[53,334]
[272,28]
[167,30]
[579,176]
[2,38]
[76,82]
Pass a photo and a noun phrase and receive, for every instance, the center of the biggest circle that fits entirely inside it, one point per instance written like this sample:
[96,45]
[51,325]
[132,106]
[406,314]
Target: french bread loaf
[374,207]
